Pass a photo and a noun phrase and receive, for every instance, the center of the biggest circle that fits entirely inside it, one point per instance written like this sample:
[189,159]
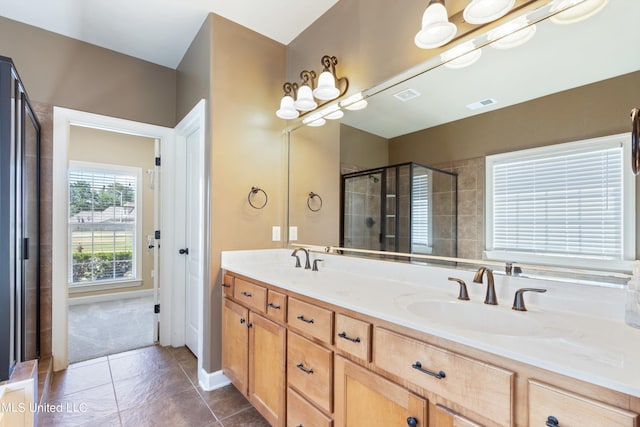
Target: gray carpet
[103,328]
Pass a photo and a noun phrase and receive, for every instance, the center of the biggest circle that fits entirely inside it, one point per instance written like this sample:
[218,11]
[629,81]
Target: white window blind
[421,214]
[564,202]
[103,224]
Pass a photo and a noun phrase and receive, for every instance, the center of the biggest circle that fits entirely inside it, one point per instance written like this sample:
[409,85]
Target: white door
[190,232]
[193,233]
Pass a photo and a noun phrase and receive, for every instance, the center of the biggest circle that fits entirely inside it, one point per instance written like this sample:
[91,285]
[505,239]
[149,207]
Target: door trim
[63,118]
[195,120]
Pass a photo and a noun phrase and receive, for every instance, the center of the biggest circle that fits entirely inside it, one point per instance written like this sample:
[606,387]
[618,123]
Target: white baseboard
[212,380]
[110,297]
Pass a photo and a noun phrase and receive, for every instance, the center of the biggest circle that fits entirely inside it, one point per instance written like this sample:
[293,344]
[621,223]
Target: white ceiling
[160,31]
[559,57]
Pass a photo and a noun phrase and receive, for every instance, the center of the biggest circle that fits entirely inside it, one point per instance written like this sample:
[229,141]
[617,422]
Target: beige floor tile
[225,401]
[81,408]
[247,418]
[148,387]
[78,378]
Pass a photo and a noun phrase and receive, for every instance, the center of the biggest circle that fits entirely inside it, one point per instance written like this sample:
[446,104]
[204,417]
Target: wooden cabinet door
[235,344]
[267,356]
[440,416]
[363,398]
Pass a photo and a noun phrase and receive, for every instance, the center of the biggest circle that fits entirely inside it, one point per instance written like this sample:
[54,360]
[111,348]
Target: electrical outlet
[293,233]
[275,233]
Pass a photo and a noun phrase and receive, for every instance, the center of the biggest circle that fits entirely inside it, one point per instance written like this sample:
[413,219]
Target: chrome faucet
[307,264]
[490,297]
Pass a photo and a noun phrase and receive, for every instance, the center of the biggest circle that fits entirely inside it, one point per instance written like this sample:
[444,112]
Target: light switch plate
[275,233]
[293,233]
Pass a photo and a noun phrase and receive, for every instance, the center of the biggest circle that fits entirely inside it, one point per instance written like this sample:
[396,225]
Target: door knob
[184,251]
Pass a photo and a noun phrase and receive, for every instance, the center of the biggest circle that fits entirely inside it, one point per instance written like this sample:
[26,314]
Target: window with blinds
[562,203]
[421,214]
[103,223]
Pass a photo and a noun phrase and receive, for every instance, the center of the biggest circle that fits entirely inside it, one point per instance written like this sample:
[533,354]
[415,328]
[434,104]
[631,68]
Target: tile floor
[152,386]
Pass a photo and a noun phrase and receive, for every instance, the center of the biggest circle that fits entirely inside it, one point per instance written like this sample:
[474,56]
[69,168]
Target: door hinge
[156,308]
[158,161]
[157,235]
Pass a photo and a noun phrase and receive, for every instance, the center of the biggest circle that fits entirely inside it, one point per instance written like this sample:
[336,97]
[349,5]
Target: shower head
[374,178]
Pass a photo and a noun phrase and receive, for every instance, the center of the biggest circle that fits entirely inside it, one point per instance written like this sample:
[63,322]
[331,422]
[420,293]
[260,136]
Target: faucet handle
[518,300]
[463,295]
[315,264]
[298,265]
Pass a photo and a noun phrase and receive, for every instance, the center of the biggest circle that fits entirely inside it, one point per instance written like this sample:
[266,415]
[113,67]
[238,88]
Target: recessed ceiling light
[407,94]
[481,104]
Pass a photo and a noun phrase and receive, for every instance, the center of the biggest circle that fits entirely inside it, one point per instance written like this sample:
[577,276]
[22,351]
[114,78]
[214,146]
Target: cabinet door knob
[412,422]
[242,320]
[552,421]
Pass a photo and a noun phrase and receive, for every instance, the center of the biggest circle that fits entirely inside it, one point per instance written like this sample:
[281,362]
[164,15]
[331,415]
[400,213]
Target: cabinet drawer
[227,285]
[310,370]
[572,410]
[478,386]
[252,295]
[353,336]
[277,306]
[311,320]
[302,413]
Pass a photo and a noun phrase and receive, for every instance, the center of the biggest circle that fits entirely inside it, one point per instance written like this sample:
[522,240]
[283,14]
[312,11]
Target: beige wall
[245,145]
[100,146]
[62,71]
[362,150]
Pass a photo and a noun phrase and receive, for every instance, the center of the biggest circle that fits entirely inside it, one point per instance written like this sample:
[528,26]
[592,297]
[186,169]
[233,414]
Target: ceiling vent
[407,94]
[481,104]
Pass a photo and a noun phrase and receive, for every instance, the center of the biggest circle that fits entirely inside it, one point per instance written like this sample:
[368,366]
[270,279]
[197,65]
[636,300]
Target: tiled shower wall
[44,113]
[471,180]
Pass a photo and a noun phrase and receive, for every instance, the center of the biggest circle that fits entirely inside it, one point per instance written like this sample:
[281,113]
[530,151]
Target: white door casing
[62,120]
[190,227]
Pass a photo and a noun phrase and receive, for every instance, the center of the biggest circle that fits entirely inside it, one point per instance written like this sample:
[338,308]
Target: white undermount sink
[483,318]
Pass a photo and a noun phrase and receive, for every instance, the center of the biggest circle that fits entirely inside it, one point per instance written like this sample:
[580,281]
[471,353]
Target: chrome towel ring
[635,141]
[310,199]
[252,194]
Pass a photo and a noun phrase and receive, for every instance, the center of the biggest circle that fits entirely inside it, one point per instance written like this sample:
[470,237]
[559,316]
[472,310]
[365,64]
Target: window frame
[628,206]
[137,235]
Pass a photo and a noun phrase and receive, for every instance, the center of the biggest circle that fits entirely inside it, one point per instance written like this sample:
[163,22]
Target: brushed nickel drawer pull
[246,294]
[303,369]
[439,375]
[344,335]
[301,317]
[275,307]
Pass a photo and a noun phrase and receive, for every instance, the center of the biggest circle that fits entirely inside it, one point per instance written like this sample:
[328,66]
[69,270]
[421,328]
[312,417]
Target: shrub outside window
[104,223]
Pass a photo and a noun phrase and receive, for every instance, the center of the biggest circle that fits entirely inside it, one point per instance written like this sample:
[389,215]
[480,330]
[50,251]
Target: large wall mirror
[567,83]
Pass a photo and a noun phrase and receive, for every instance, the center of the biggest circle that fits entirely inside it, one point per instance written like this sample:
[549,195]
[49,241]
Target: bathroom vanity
[372,343]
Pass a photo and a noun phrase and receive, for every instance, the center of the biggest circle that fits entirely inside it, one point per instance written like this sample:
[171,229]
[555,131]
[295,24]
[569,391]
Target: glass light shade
[461,56]
[354,102]
[576,13]
[287,111]
[436,29]
[483,11]
[305,101]
[316,123]
[326,89]
[512,34]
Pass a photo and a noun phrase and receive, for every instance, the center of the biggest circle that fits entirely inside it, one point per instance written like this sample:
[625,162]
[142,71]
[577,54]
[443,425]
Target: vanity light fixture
[483,11]
[461,56]
[578,10]
[436,29]
[512,34]
[300,97]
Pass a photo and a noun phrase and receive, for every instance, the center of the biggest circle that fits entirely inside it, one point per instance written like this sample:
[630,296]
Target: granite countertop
[571,330]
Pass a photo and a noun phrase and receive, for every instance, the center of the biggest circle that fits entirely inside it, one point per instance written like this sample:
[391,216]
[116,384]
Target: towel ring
[635,141]
[254,191]
[312,196]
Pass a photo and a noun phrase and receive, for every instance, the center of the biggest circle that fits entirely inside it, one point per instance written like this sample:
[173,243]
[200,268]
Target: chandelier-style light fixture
[304,97]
